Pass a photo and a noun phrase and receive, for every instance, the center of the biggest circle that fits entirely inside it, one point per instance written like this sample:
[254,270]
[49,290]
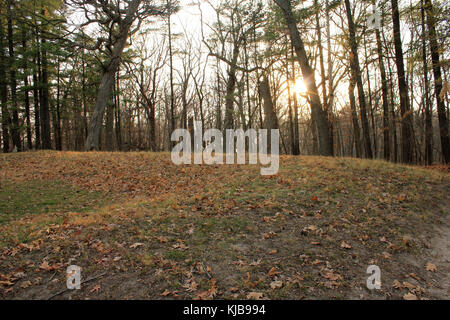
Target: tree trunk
[231,86]
[426,100]
[45,104]
[323,76]
[351,94]
[15,125]
[4,93]
[296,126]
[117,114]
[104,92]
[37,112]
[442,115]
[319,114]
[406,123]
[384,92]
[172,91]
[57,113]
[27,97]
[271,121]
[356,74]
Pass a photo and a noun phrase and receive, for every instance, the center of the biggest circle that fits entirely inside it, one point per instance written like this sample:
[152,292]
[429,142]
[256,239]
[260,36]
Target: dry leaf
[95,289]
[272,272]
[6,283]
[254,295]
[45,265]
[410,296]
[431,267]
[137,244]
[396,284]
[165,293]
[408,285]
[345,245]
[276,284]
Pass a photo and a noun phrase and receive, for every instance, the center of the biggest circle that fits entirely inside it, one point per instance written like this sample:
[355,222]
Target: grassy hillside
[145,228]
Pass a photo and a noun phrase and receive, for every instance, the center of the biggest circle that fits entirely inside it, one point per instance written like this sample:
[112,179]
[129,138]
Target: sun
[299,86]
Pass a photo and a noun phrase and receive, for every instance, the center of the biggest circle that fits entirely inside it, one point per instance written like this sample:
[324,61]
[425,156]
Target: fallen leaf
[396,284]
[345,245]
[137,244]
[431,267]
[272,272]
[408,285]
[44,265]
[6,283]
[95,289]
[276,284]
[410,296]
[165,293]
[254,295]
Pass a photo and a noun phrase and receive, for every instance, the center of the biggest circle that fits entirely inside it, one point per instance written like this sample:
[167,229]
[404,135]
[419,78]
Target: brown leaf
[431,267]
[276,284]
[6,283]
[255,295]
[332,276]
[165,293]
[396,284]
[95,289]
[408,285]
[410,296]
[345,245]
[45,265]
[272,272]
[137,244]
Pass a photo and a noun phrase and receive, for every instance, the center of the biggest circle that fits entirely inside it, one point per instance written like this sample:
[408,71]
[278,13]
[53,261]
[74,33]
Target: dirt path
[440,246]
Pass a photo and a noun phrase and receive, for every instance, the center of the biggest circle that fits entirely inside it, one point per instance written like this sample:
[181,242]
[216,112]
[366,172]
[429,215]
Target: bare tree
[119,19]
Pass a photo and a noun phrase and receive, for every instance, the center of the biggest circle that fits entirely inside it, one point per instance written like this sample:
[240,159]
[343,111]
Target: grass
[19,200]
[138,216]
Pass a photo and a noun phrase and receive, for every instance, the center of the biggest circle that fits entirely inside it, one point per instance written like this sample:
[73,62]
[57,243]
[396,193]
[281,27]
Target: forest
[364,79]
[351,204]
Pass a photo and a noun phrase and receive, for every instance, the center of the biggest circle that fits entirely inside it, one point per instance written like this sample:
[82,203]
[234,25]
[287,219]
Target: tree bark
[442,115]
[356,134]
[407,152]
[356,74]
[15,125]
[384,93]
[426,99]
[271,121]
[27,97]
[104,92]
[319,114]
[4,94]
